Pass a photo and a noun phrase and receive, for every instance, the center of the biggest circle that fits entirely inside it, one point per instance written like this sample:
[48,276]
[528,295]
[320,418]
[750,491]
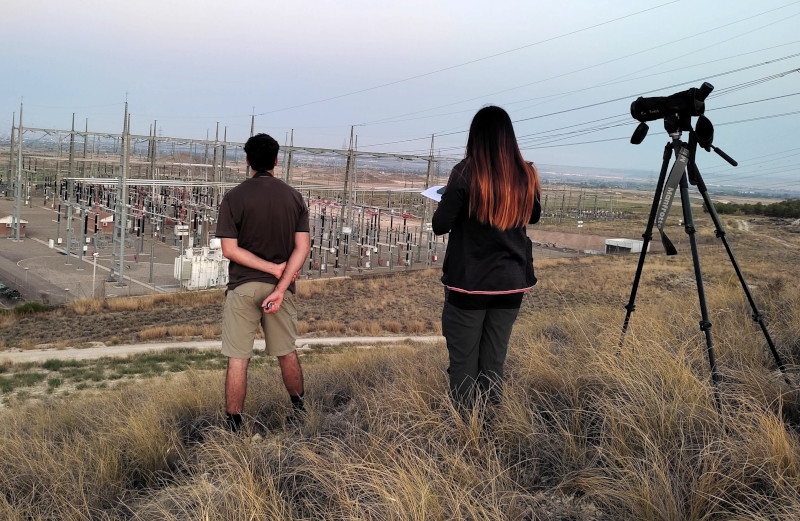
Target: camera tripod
[685,171]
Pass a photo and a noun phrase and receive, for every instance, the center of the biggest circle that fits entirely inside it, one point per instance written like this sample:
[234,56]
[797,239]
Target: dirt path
[743,225]
[101,350]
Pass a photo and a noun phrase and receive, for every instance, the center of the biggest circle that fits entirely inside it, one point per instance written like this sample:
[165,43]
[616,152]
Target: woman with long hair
[491,195]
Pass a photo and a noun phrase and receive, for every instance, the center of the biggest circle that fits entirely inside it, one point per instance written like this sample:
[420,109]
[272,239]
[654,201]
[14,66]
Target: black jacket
[480,258]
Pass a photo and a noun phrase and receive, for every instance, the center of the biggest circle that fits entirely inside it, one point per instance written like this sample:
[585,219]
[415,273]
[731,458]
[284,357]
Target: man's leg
[280,334]
[240,320]
[292,373]
[235,391]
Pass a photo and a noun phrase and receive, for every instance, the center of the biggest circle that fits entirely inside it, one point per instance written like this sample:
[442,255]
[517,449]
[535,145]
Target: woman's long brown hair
[504,186]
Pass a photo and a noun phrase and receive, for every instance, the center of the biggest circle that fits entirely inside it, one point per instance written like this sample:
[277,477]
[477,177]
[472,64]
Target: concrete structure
[586,243]
[624,246]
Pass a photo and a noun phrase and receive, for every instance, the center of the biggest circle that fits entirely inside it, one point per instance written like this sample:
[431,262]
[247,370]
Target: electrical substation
[139,211]
[117,198]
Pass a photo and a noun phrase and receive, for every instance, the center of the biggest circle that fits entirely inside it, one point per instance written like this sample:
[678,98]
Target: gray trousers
[477,342]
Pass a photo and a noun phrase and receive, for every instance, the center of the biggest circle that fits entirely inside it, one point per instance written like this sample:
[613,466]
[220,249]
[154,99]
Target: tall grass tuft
[86,306]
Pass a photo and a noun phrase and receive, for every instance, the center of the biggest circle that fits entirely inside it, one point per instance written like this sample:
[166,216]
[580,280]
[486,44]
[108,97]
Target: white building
[624,246]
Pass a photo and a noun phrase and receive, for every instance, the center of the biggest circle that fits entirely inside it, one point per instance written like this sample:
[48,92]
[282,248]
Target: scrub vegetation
[587,430]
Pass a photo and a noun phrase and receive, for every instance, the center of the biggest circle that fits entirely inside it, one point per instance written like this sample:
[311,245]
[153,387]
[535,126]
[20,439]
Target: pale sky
[403,71]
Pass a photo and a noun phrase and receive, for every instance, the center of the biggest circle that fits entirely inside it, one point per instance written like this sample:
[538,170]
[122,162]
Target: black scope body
[684,104]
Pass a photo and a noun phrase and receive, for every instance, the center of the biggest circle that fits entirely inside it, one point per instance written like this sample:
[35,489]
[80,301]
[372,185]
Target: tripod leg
[720,233]
[705,323]
[648,236]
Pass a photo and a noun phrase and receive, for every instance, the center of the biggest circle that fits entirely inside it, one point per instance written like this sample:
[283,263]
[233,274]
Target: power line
[393,119]
[745,162]
[754,101]
[758,118]
[524,145]
[549,136]
[736,36]
[724,91]
[577,143]
[470,62]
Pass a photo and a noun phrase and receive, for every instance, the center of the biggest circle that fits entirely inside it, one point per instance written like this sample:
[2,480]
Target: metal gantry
[356,224]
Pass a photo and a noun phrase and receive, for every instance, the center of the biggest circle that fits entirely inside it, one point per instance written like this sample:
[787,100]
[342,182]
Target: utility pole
[121,213]
[11,162]
[289,159]
[72,148]
[215,175]
[252,130]
[85,146]
[224,154]
[426,207]
[348,185]
[70,188]
[18,185]
[153,151]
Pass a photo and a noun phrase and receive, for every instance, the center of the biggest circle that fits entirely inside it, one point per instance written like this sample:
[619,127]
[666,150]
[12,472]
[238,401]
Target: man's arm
[302,245]
[231,250]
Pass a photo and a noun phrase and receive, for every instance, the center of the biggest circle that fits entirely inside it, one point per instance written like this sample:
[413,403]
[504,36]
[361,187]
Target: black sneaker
[233,422]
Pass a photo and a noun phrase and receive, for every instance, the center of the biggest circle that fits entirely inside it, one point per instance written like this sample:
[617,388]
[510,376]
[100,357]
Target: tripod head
[678,108]
[677,111]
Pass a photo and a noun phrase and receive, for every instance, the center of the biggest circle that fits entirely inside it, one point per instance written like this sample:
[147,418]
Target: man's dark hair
[261,151]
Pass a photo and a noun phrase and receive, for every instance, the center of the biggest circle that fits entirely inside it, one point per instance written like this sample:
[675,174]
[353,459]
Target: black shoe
[233,422]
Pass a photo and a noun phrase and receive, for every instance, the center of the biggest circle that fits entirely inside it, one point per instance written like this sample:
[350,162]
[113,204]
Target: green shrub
[29,308]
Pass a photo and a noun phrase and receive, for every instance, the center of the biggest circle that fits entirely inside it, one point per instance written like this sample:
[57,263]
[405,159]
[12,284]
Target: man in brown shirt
[263,224]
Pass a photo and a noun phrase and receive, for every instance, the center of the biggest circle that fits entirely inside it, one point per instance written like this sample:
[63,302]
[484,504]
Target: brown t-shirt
[263,213]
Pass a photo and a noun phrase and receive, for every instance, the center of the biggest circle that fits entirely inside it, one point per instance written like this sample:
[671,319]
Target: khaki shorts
[243,315]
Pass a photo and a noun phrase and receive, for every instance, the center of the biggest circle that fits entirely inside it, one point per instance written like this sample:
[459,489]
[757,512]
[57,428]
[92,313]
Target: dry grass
[392,326]
[144,303]
[7,319]
[331,326]
[303,327]
[321,305]
[153,333]
[584,432]
[183,331]
[415,326]
[307,289]
[211,331]
[86,306]
[587,430]
[371,328]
